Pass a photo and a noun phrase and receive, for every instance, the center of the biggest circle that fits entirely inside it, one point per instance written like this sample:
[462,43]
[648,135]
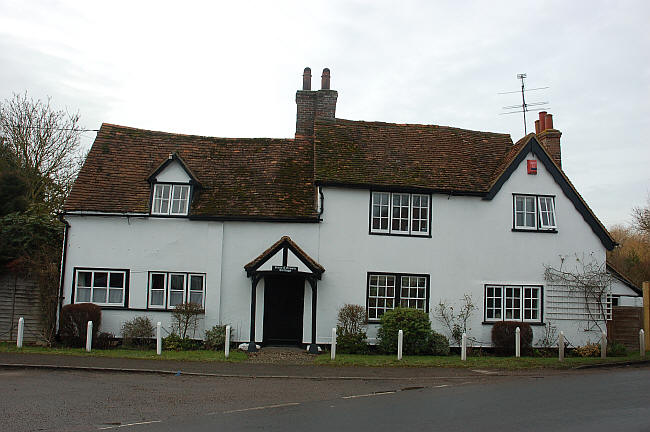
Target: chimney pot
[549,121]
[537,131]
[325,80]
[306,79]
[542,121]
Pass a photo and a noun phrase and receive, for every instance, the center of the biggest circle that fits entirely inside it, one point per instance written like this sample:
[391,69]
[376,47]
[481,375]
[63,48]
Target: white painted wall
[472,244]
[173,173]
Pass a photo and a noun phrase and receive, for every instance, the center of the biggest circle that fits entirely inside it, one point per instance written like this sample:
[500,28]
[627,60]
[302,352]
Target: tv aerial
[524,107]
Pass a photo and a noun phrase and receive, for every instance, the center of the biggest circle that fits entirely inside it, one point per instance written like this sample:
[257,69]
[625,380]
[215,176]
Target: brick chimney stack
[313,104]
[549,137]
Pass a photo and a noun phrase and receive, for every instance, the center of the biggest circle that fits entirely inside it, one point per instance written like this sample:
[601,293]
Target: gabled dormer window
[170,199]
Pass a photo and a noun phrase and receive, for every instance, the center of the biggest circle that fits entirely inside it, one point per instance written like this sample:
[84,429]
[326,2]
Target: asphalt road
[611,400]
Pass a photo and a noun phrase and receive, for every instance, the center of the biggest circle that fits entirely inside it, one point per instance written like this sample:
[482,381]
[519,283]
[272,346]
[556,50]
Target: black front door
[283,307]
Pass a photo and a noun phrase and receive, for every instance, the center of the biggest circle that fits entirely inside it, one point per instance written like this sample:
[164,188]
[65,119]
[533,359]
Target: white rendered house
[272,236]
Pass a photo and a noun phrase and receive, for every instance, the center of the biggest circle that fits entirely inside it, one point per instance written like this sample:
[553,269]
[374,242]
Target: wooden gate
[625,325]
[18,298]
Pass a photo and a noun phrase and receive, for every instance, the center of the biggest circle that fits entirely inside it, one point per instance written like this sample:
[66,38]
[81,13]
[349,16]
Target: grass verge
[488,362]
[198,355]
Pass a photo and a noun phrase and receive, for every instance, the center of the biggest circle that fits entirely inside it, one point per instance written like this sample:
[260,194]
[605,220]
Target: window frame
[107,305]
[396,232]
[522,303]
[170,199]
[398,291]
[167,290]
[538,217]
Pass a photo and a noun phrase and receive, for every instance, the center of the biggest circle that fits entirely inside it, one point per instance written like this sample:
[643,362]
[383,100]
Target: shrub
[615,349]
[137,332]
[350,330]
[438,344]
[351,343]
[74,322]
[174,342]
[185,319]
[215,338]
[503,337]
[588,350]
[352,319]
[105,340]
[416,326]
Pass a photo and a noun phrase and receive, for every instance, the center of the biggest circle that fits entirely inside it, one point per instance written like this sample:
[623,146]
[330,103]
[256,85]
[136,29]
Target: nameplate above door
[285,269]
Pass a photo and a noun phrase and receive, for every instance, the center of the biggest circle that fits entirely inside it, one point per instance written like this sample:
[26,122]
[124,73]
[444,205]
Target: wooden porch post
[252,347]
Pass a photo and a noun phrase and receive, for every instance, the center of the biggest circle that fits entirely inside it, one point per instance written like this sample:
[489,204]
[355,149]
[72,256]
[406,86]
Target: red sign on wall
[532,167]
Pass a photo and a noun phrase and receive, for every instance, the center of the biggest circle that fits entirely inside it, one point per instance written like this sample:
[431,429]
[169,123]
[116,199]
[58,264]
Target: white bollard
[517,342]
[641,343]
[226,347]
[333,350]
[603,345]
[21,332]
[560,346]
[463,348]
[400,341]
[89,336]
[158,338]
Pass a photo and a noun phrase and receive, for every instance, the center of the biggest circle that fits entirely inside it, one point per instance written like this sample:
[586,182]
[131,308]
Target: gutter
[64,256]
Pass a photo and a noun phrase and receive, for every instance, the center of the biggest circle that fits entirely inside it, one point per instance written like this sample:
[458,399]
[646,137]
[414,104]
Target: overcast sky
[231,69]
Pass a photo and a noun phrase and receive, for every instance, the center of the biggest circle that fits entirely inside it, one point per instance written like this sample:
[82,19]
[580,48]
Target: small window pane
[196,283]
[101,279]
[117,280]
[157,298]
[84,279]
[115,296]
[99,295]
[158,281]
[83,295]
[177,282]
[175,298]
[196,297]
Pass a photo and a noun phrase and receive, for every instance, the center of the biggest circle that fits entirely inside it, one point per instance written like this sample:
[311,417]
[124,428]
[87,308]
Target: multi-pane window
[387,291]
[167,290]
[513,303]
[400,213]
[102,287]
[493,302]
[413,292]
[532,212]
[170,199]
[381,295]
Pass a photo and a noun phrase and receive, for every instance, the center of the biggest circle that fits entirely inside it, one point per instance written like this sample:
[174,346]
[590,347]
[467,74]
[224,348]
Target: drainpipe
[63,263]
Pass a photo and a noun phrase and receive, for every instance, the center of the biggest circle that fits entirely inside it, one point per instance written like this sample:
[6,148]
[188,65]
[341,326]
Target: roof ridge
[175,134]
[380,123]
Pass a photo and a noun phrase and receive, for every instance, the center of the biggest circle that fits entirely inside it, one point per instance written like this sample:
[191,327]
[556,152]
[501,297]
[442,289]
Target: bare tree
[641,217]
[45,147]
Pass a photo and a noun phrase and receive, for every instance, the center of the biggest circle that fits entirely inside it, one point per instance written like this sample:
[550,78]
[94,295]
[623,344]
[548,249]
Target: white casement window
[420,214]
[400,213]
[196,289]
[535,213]
[413,292]
[387,291]
[170,199]
[513,303]
[546,213]
[381,295]
[525,212]
[493,302]
[380,212]
[157,290]
[177,288]
[169,289]
[102,287]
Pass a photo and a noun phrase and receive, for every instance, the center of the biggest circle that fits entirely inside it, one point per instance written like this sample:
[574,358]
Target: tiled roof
[241,178]
[437,158]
